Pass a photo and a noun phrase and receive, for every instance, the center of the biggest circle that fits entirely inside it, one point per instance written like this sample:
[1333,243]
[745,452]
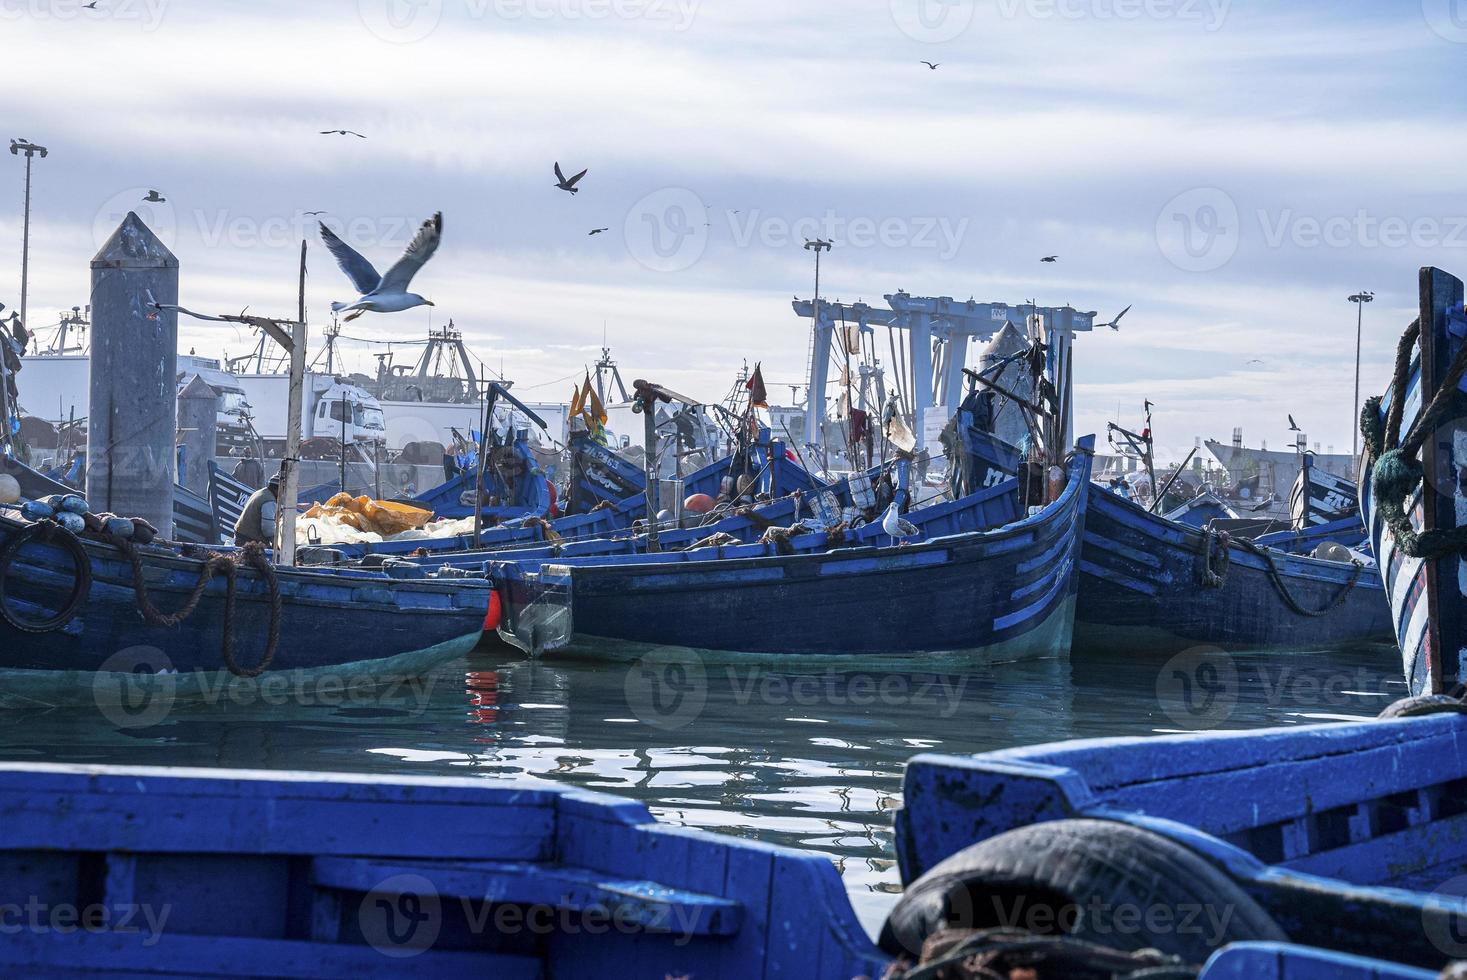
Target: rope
[47,531]
[1215,545]
[999,954]
[213,563]
[1397,471]
[1283,589]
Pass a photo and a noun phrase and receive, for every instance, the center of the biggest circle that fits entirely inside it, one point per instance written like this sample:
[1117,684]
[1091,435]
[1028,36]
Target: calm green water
[808,757]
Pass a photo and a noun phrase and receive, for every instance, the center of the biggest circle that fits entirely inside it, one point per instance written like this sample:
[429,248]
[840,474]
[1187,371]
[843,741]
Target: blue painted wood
[1005,589]
[237,873]
[1426,595]
[1348,531]
[1143,588]
[329,618]
[1285,961]
[1351,836]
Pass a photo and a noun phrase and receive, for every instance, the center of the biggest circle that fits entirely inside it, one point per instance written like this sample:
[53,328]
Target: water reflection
[808,756]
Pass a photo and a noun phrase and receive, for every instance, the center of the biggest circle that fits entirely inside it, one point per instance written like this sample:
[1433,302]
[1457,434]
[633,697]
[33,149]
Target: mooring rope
[47,531]
[999,954]
[1396,467]
[211,563]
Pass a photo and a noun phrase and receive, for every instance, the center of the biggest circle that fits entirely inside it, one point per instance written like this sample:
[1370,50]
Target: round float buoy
[698,503]
[495,614]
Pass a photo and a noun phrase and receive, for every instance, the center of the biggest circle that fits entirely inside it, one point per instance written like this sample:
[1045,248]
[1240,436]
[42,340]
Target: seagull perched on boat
[1050,258]
[385,293]
[567,184]
[895,525]
[342,132]
[931,65]
[1293,426]
[155,198]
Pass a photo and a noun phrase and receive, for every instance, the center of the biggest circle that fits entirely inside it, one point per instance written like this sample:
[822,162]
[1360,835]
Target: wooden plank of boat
[1004,591]
[240,873]
[1421,493]
[1349,836]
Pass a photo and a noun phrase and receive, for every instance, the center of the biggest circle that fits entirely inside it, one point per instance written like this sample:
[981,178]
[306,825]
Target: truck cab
[338,407]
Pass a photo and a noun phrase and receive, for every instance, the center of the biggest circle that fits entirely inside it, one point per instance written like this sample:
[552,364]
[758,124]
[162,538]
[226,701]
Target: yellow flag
[596,409]
[577,402]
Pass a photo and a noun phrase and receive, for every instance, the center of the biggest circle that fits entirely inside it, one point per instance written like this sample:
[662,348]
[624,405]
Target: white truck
[330,408]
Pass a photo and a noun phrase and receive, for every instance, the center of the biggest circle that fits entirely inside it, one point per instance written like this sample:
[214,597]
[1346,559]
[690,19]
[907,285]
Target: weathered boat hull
[1003,593]
[1428,599]
[1144,587]
[328,620]
[1348,836]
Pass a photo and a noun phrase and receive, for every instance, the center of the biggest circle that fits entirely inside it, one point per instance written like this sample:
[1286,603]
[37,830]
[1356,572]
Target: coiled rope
[211,564]
[1217,560]
[46,532]
[1396,466]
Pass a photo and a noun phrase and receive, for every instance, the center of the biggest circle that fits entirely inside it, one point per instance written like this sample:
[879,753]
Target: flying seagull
[895,525]
[385,293]
[312,214]
[1050,258]
[90,6]
[597,231]
[155,198]
[567,185]
[342,132]
[1116,323]
[931,65]
[1293,426]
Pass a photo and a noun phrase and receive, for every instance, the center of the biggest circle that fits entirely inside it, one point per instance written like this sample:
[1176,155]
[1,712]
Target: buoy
[698,503]
[72,522]
[9,489]
[664,515]
[495,613]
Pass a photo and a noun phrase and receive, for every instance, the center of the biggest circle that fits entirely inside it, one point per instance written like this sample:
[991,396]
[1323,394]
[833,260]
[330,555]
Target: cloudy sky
[1233,169]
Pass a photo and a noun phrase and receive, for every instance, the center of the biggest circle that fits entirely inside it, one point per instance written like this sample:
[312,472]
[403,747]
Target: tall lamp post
[817,246]
[17,147]
[1359,299]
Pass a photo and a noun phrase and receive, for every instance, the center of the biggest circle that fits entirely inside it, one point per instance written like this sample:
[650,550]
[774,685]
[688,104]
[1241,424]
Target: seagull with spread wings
[567,183]
[342,132]
[384,293]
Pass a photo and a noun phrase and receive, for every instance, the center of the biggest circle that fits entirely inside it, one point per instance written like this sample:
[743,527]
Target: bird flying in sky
[597,231]
[384,293]
[1293,426]
[155,198]
[567,184]
[1050,258]
[931,65]
[342,132]
[312,214]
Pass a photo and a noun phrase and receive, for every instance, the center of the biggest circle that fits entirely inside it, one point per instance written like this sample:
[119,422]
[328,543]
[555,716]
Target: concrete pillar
[132,421]
[198,417]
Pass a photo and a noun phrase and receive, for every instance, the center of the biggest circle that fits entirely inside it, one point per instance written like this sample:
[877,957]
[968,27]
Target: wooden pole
[290,487]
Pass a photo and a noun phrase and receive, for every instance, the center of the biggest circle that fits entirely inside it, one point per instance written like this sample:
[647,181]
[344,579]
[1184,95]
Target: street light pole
[1359,299]
[17,147]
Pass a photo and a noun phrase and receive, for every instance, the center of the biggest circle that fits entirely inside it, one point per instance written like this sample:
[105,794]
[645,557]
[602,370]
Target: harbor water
[810,757]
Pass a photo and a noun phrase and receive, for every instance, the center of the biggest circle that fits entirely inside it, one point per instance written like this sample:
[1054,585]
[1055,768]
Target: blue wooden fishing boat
[984,578]
[1412,495]
[1346,837]
[189,619]
[1319,496]
[289,874]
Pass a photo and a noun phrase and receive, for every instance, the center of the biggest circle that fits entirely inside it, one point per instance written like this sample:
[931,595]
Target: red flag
[758,397]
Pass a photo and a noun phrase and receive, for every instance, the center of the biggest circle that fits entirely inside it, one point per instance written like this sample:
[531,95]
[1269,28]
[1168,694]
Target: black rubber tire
[46,532]
[1423,704]
[1075,877]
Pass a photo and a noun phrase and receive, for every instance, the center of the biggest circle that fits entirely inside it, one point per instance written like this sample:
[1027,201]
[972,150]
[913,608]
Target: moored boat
[1412,494]
[992,583]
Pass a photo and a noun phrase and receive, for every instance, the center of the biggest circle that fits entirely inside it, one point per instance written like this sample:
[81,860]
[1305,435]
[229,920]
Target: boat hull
[1143,589]
[328,619]
[1002,593]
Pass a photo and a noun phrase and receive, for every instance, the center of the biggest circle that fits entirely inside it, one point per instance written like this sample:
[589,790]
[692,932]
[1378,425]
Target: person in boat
[257,521]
